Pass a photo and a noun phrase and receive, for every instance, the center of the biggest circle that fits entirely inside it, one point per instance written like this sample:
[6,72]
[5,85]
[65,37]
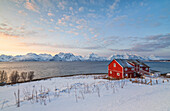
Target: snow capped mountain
[71,57]
[5,58]
[27,57]
[94,57]
[66,57]
[45,57]
[129,56]
[152,57]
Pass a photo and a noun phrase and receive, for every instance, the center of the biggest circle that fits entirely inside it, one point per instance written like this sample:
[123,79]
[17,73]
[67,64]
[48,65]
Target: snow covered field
[85,93]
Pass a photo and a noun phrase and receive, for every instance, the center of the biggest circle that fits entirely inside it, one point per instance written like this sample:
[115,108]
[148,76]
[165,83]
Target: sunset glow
[81,27]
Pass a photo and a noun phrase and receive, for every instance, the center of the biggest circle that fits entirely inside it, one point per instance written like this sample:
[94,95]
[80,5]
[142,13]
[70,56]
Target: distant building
[156,73]
[126,68]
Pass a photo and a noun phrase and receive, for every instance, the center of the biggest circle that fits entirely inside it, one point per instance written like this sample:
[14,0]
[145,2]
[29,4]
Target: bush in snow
[3,77]
[24,75]
[31,75]
[14,77]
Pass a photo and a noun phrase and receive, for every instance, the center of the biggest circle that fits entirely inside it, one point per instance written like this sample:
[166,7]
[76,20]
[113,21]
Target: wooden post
[151,81]
[18,99]
[130,77]
[156,81]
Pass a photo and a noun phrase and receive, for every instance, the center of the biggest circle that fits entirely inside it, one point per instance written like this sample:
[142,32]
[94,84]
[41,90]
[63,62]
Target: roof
[123,62]
[126,62]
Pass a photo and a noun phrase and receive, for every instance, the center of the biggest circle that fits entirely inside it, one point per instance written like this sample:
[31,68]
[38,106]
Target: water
[48,69]
[163,67]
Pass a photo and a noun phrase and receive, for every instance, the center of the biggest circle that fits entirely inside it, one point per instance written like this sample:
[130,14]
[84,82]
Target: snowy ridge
[70,57]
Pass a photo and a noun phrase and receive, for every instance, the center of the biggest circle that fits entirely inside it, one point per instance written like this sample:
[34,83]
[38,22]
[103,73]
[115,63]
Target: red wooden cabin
[123,68]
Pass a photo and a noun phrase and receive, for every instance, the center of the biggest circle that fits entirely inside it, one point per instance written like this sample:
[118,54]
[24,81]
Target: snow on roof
[168,74]
[126,62]
[123,62]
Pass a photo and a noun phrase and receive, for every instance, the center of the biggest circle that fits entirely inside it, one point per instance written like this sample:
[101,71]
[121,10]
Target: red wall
[129,73]
[112,71]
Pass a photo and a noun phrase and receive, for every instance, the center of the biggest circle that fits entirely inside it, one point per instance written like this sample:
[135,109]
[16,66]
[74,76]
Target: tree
[31,75]
[24,75]
[14,77]
[3,77]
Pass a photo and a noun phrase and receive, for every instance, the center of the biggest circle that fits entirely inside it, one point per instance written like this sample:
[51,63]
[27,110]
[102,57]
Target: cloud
[60,22]
[150,43]
[81,9]
[62,4]
[6,29]
[57,28]
[72,32]
[51,20]
[66,17]
[5,34]
[63,46]
[157,24]
[50,14]
[31,5]
[3,24]
[118,18]
[71,8]
[113,6]
[50,30]
[22,12]
[80,27]
[81,21]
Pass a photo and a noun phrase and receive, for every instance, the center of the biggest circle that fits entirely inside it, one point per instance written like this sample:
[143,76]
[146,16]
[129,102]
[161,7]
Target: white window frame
[118,74]
[114,64]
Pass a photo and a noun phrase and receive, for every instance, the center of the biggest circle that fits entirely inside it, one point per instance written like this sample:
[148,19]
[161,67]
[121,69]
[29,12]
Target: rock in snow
[70,57]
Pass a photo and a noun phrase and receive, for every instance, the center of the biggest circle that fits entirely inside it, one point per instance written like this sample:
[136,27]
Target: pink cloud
[51,20]
[50,14]
[30,5]
[81,9]
[22,12]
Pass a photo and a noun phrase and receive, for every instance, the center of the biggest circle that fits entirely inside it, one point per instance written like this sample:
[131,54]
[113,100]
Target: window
[126,75]
[141,69]
[118,74]
[134,74]
[132,69]
[114,64]
[126,69]
[110,72]
[146,68]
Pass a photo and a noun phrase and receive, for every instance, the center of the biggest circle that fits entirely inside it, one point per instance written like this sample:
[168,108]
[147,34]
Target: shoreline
[45,78]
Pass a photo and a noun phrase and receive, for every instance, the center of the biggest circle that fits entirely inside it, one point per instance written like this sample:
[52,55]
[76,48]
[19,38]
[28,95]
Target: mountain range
[70,57]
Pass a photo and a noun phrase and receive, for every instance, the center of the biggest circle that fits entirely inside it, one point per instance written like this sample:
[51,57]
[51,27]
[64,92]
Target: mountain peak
[71,57]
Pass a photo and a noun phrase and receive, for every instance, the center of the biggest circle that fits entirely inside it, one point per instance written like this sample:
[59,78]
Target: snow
[94,57]
[84,93]
[71,57]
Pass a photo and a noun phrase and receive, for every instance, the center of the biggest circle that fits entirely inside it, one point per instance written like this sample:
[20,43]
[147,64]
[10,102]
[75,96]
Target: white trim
[119,64]
[114,64]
